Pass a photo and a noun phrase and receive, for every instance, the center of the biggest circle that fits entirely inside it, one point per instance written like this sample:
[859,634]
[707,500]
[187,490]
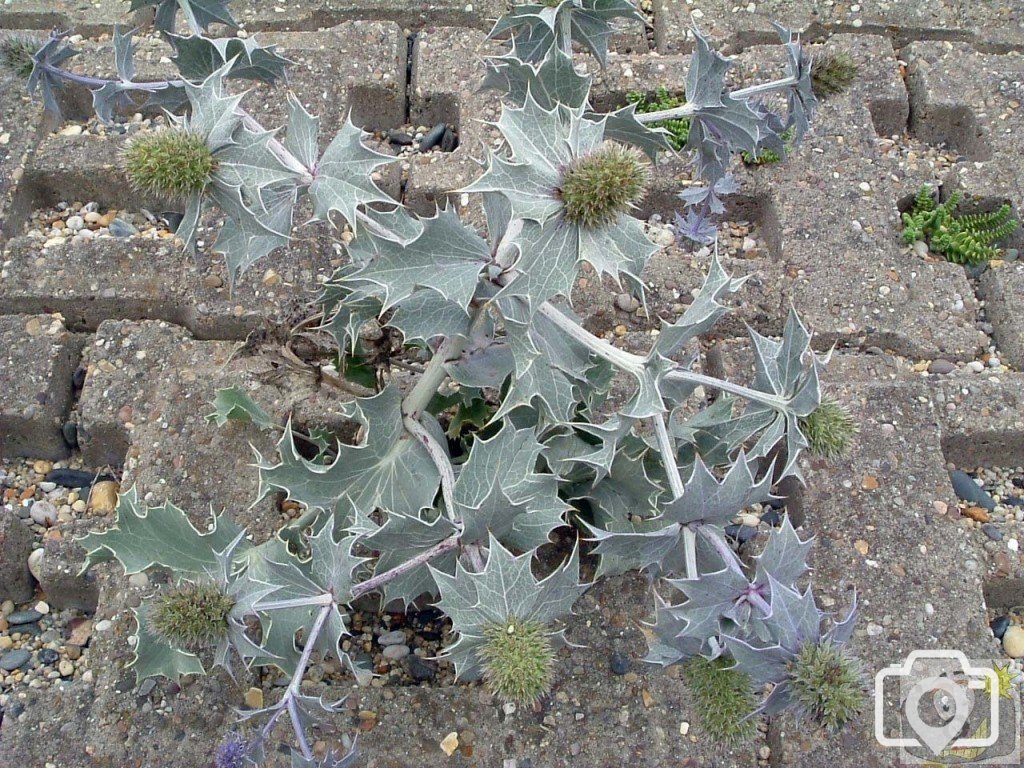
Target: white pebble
[1012,545]
[35,562]
[43,513]
[75,223]
[1013,642]
[976,365]
[139,580]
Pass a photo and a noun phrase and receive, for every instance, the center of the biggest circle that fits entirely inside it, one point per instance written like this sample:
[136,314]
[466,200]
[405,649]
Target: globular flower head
[192,616]
[724,696]
[16,52]
[518,658]
[829,429]
[827,686]
[174,163]
[600,186]
[833,73]
[231,753]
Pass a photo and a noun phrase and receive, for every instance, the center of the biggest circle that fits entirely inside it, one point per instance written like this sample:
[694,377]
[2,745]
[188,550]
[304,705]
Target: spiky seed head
[828,686]
[518,659]
[724,696]
[829,429]
[832,73]
[231,752]
[16,52]
[173,163]
[192,616]
[597,188]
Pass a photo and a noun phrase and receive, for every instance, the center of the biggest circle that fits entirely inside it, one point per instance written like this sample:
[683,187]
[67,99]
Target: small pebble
[999,625]
[619,663]
[1013,642]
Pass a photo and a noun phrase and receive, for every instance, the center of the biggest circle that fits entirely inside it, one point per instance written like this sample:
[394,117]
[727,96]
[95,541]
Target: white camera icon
[945,680]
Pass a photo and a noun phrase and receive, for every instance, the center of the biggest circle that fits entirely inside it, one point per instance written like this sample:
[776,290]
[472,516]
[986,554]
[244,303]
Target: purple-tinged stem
[378,581]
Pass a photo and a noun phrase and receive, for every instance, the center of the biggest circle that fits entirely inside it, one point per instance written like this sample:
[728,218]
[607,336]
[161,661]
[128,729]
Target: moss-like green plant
[678,129]
[171,163]
[192,616]
[832,73]
[598,188]
[724,697]
[827,685]
[829,429]
[966,239]
[518,658]
[16,52]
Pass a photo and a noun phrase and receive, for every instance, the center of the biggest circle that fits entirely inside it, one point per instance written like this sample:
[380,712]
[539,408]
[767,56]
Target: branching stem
[687,110]
[378,581]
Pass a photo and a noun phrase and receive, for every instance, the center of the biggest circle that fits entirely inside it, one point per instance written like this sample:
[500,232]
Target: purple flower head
[232,752]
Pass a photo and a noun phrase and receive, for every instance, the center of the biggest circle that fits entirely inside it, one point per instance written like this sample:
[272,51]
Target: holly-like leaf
[43,82]
[800,99]
[623,127]
[550,82]
[389,469]
[197,13]
[447,257]
[506,588]
[784,557]
[155,657]
[163,535]
[499,492]
[342,180]
[197,57]
[533,26]
[232,404]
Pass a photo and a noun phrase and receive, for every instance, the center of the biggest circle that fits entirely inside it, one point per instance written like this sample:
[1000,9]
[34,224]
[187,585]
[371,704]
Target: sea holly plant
[499,429]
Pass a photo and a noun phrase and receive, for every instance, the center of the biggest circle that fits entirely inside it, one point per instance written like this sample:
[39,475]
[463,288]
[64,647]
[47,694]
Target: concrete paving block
[37,358]
[17,112]
[972,102]
[15,547]
[982,419]
[92,18]
[1003,291]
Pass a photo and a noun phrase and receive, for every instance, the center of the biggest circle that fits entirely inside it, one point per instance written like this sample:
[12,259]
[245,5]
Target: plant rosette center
[599,187]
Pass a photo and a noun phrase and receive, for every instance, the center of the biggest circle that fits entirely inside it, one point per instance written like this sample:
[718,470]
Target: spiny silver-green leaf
[201,13]
[389,469]
[198,57]
[342,180]
[142,537]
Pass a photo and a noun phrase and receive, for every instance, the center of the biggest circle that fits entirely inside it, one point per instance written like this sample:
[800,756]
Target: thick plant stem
[378,581]
[440,458]
[565,32]
[687,110]
[675,482]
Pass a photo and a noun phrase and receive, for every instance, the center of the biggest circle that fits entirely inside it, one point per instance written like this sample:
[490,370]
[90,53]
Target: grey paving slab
[1003,291]
[21,127]
[37,358]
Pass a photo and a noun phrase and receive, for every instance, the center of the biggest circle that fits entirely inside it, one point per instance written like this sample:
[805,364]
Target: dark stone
[941,367]
[74,478]
[772,518]
[1018,482]
[121,228]
[967,490]
[24,617]
[48,656]
[401,138]
[449,141]
[146,688]
[432,137]
[173,219]
[999,625]
[78,377]
[69,430]
[992,532]
[740,533]
[619,663]
[419,669]
[13,660]
[1014,501]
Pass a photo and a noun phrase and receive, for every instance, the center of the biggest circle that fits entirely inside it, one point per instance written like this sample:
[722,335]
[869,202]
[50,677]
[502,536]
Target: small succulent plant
[678,128]
[962,239]
[192,616]
[518,659]
[599,187]
[833,73]
[827,685]
[173,163]
[829,429]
